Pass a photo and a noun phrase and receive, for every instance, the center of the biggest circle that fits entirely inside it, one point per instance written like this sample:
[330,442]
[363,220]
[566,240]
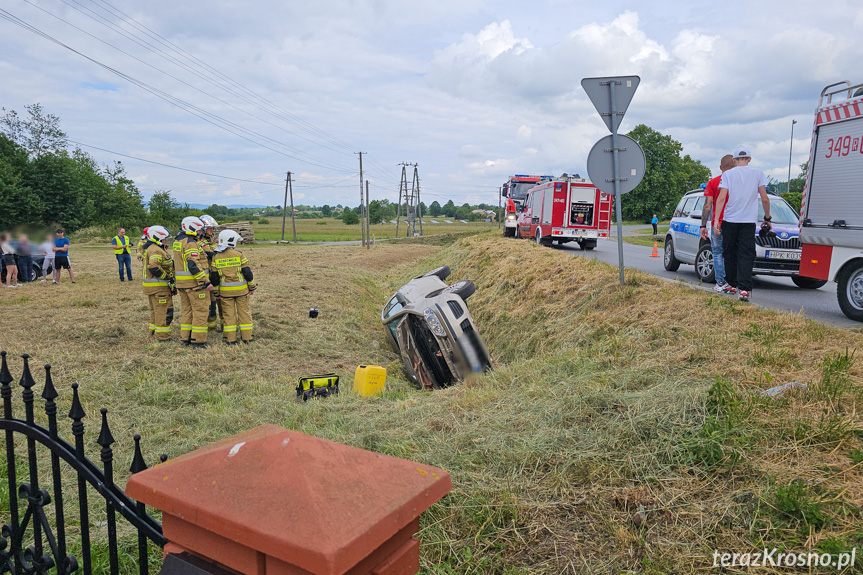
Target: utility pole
[362,208]
[419,209]
[790,151]
[293,222]
[368,219]
[403,185]
[285,206]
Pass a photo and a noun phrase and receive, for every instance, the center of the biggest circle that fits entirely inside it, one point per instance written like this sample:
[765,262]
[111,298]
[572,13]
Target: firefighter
[207,243]
[159,282]
[192,282]
[139,249]
[235,282]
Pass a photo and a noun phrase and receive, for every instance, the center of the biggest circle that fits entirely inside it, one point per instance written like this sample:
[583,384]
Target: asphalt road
[771,292]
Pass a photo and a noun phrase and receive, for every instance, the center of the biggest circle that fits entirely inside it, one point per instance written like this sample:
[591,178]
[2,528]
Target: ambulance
[566,209]
[831,214]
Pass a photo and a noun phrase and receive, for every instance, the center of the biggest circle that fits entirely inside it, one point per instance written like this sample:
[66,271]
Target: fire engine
[831,214]
[515,190]
[566,209]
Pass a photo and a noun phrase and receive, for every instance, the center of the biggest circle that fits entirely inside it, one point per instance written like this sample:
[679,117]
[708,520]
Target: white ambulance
[831,215]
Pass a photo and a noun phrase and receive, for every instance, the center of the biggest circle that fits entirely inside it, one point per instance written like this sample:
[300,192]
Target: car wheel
[588,244]
[850,292]
[441,272]
[671,262]
[464,289]
[807,283]
[508,232]
[704,264]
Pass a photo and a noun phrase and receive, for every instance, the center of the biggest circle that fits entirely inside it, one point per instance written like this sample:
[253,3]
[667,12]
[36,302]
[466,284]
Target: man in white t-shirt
[739,191]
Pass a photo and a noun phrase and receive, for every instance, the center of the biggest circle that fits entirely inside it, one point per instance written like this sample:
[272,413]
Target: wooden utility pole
[362,208]
[285,206]
[293,223]
[368,219]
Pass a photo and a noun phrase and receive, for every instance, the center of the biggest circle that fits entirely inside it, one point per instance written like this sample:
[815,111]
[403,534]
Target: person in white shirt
[47,249]
[735,216]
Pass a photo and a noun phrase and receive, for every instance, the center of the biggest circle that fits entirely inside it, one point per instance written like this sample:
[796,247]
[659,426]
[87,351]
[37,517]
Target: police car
[774,256]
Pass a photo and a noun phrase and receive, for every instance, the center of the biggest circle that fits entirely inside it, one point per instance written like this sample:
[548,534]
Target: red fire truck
[566,209]
[515,190]
[831,215]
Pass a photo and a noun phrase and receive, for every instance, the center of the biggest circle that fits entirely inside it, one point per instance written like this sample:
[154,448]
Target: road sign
[599,93]
[631,164]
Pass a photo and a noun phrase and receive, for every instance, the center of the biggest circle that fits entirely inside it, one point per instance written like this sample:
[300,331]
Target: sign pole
[616,161]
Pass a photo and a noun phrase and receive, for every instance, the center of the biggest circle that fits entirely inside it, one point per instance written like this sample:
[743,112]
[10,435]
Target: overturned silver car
[430,327]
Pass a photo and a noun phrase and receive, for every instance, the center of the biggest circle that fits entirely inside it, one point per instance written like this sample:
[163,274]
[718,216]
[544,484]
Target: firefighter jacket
[158,269]
[206,254]
[139,249]
[231,273]
[186,257]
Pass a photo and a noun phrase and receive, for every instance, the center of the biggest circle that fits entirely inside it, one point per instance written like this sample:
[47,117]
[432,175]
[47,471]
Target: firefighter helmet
[145,234]
[209,221]
[229,239]
[158,234]
[191,224]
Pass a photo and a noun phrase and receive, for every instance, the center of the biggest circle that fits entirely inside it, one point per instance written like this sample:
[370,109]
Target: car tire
[704,264]
[441,272]
[671,262]
[464,289]
[508,232]
[850,290]
[808,283]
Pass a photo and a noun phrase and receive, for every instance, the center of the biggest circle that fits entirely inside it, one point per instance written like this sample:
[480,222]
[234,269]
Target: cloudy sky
[471,90]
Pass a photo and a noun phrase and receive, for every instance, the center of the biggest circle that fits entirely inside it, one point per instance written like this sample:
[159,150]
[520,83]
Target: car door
[689,231]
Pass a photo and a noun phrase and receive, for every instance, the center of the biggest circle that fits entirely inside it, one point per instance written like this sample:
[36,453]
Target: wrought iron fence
[49,549]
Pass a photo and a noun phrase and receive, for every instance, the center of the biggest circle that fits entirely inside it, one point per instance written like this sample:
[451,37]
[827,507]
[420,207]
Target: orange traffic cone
[655,253]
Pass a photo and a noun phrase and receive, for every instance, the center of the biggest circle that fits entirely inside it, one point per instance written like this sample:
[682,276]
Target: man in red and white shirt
[711,192]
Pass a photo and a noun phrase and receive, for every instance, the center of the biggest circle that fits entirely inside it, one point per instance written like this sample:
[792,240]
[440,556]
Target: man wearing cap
[735,215]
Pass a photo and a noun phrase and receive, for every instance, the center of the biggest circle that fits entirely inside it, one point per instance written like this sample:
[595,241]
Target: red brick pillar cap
[316,504]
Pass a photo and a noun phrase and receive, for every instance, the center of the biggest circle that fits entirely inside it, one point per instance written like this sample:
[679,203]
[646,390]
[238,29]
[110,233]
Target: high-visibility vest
[121,245]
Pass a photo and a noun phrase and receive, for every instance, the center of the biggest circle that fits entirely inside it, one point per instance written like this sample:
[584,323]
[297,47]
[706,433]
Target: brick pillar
[275,502]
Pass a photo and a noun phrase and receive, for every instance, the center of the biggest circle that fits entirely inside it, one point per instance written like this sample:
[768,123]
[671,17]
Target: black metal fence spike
[27,380]
[138,463]
[105,437]
[76,413]
[163,458]
[50,392]
[5,376]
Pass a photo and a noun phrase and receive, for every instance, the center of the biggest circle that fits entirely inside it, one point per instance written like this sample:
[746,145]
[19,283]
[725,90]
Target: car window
[780,211]
[689,205]
[699,205]
[393,307]
[679,209]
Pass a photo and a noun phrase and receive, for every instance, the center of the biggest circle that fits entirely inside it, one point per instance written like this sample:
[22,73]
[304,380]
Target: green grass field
[333,230]
[607,403]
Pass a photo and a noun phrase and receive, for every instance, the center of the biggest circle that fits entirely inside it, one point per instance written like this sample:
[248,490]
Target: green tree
[435,209]
[449,209]
[164,209]
[19,204]
[350,218]
[39,133]
[326,211]
[667,176]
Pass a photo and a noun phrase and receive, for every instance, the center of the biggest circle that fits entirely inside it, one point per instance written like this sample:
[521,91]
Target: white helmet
[229,239]
[209,221]
[158,234]
[192,224]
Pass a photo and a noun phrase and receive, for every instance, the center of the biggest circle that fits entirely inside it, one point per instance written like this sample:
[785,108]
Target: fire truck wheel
[807,283]
[671,262]
[441,272]
[508,232]
[850,290]
[464,289]
[587,244]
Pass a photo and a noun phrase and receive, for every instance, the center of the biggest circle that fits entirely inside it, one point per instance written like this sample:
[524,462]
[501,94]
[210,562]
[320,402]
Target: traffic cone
[655,253]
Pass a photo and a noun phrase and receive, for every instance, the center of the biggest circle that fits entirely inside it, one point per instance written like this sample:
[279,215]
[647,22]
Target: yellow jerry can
[370,380]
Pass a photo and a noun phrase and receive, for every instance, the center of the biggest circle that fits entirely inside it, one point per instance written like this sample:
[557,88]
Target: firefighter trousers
[194,308]
[238,317]
[161,314]
[212,318]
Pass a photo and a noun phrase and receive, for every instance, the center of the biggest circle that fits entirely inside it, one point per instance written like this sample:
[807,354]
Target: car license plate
[782,255]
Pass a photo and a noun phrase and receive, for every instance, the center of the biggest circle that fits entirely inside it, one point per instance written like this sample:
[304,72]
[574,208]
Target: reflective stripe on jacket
[121,245]
[229,265]
[155,256]
[185,254]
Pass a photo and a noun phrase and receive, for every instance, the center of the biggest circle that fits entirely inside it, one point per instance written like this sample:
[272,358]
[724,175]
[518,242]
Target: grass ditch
[606,401]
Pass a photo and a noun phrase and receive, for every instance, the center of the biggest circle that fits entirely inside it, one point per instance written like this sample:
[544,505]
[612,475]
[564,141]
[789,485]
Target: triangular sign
[599,93]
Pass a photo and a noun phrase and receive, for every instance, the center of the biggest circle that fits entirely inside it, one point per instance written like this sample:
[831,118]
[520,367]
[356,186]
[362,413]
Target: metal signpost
[622,170]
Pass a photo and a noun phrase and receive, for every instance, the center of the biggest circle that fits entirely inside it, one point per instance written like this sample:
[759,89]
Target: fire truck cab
[831,214]
[566,209]
[515,190]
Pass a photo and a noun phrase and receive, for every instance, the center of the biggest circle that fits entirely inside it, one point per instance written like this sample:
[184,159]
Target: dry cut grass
[605,400]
